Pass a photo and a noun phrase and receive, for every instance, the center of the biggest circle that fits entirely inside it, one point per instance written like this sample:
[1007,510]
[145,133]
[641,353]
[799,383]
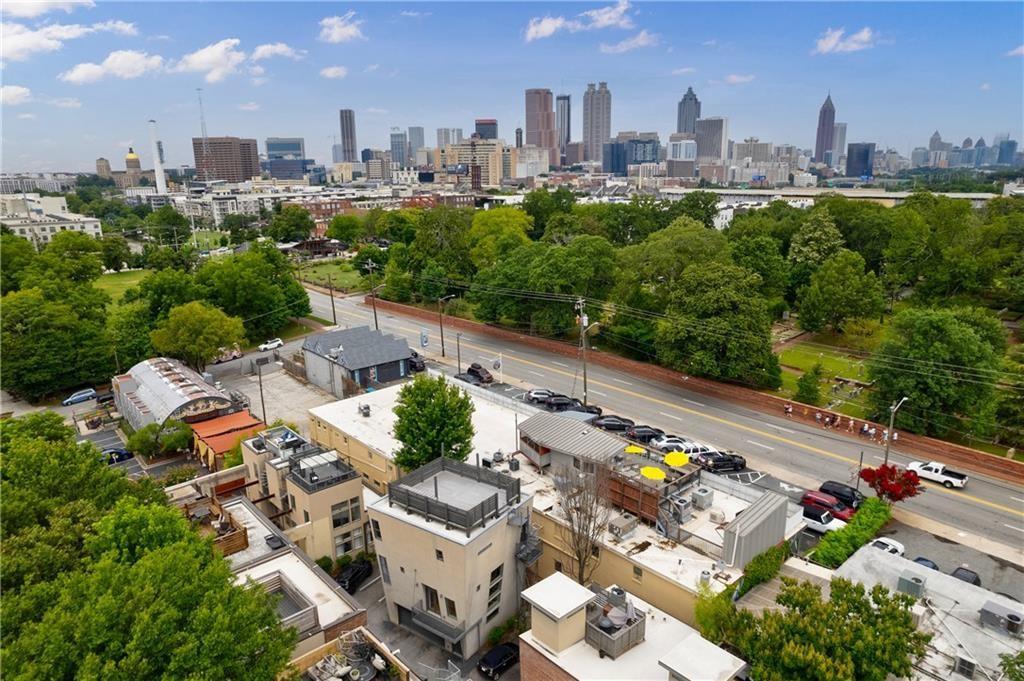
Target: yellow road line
[727,422]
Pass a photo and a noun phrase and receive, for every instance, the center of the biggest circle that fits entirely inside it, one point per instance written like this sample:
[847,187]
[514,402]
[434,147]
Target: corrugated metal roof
[225,424]
[162,385]
[752,517]
[571,437]
[359,347]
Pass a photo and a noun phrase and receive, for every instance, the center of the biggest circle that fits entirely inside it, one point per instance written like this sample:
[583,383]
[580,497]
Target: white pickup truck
[937,472]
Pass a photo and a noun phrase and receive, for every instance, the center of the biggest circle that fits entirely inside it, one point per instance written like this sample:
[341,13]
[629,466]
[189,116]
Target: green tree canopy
[115,252]
[496,232]
[128,328]
[162,290]
[817,240]
[760,254]
[540,204]
[443,235]
[156,439]
[195,332]
[168,227]
[240,227]
[70,256]
[700,206]
[434,418]
[345,228]
[16,255]
[839,290]
[370,253]
[293,223]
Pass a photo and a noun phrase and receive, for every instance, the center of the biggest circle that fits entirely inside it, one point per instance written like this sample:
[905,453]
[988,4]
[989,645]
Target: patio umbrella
[676,459]
[634,449]
[652,473]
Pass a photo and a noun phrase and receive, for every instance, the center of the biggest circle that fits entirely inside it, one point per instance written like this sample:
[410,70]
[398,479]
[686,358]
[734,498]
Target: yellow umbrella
[652,473]
[677,459]
[634,449]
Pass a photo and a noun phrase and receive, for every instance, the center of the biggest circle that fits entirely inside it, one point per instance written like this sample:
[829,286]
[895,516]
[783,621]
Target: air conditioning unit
[486,462]
[703,497]
[498,457]
[911,584]
[717,516]
[364,409]
[513,464]
[622,527]
[917,612]
[999,616]
[965,666]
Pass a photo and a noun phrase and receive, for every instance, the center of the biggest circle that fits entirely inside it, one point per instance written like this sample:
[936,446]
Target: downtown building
[540,123]
[823,141]
[688,112]
[597,120]
[228,159]
[347,153]
[563,123]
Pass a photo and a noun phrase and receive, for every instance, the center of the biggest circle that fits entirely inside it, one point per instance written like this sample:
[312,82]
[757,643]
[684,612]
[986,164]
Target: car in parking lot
[927,562]
[78,397]
[271,344]
[821,521]
[890,546]
[827,502]
[113,455]
[844,493]
[718,462]
[663,441]
[612,422]
[643,434]
[480,372]
[354,574]
[558,402]
[967,575]
[539,395]
[228,353]
[499,659]
[587,408]
[416,362]
[468,378]
[104,398]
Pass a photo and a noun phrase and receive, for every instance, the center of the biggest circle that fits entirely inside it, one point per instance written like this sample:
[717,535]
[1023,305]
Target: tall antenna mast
[206,140]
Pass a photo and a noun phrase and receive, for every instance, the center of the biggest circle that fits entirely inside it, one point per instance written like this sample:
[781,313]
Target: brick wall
[920,446]
[534,666]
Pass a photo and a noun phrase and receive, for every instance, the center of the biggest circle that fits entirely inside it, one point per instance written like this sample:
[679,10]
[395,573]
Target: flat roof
[456,490]
[697,659]
[330,606]
[558,596]
[664,637]
[257,528]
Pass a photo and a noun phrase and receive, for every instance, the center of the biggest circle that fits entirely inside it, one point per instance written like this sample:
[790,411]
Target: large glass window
[431,600]
[347,542]
[345,512]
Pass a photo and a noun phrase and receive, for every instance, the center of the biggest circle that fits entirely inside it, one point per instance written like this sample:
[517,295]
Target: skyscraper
[348,136]
[563,121]
[399,147]
[597,120]
[826,130]
[231,159]
[519,138]
[446,136]
[285,147]
[416,141]
[487,128]
[838,143]
[540,121]
[689,112]
[860,159]
[712,140]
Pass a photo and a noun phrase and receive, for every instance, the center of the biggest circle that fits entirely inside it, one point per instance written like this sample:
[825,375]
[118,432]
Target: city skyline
[268,70]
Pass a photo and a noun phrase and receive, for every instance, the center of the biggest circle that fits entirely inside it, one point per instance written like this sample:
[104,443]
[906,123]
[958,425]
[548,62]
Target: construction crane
[206,140]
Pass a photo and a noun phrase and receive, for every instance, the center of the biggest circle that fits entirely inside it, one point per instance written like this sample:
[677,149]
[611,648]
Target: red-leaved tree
[892,483]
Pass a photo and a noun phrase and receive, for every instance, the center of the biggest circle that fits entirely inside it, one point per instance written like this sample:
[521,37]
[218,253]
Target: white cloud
[374,110]
[738,79]
[1016,52]
[35,8]
[835,40]
[124,64]
[256,70]
[13,95]
[334,72]
[371,68]
[341,29]
[683,71]
[217,61]
[161,37]
[249,106]
[985,87]
[612,16]
[19,42]
[641,39]
[277,50]
[413,14]
[26,116]
[65,102]
[710,43]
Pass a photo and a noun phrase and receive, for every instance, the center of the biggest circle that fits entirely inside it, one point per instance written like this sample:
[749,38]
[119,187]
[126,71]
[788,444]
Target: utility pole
[892,422]
[334,312]
[458,350]
[260,361]
[581,316]
[371,265]
[440,317]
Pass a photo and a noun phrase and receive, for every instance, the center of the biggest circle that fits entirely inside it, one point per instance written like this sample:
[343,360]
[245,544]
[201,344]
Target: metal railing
[614,641]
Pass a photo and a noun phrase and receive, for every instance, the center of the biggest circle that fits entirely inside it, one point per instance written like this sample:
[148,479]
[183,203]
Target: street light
[892,420]
[440,318]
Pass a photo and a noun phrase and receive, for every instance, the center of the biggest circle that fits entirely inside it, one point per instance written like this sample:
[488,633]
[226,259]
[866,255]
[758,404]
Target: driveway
[284,396]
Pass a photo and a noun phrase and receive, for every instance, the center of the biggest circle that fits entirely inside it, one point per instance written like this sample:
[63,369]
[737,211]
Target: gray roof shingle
[359,347]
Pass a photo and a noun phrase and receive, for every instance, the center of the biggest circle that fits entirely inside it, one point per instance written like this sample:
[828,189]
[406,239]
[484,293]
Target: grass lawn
[287,332]
[804,357]
[343,276]
[117,283]
[208,239]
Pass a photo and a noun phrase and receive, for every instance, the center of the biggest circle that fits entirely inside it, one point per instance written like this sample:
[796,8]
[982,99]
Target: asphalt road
[800,454]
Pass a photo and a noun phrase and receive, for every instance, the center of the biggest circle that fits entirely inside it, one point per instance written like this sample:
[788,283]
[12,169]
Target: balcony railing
[433,622]
[613,625]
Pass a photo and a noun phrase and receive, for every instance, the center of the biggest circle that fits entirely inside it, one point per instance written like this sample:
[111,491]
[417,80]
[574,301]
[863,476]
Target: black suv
[644,434]
[481,373]
[559,403]
[354,574]
[844,493]
[416,362]
[718,462]
[612,422]
[499,659]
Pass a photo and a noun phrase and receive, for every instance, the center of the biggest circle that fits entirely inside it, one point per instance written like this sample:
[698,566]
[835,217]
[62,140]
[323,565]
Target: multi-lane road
[988,510]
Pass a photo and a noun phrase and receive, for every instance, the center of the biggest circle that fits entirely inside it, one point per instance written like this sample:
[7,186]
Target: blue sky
[80,79]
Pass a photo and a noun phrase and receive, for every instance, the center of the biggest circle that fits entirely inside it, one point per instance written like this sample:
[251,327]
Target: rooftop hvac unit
[965,666]
[717,516]
[513,464]
[703,498]
[486,462]
[999,616]
[622,527]
[497,457]
[911,584]
[364,409]
[917,612]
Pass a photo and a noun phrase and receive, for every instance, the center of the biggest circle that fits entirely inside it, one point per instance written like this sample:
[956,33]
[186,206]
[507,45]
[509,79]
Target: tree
[398,283]
[345,228]
[1012,666]
[240,227]
[370,253]
[699,206]
[718,326]
[1010,415]
[760,254]
[808,386]
[839,290]
[892,483]
[944,363]
[443,235]
[157,439]
[855,635]
[497,232]
[70,256]
[778,220]
[585,267]
[128,328]
[540,204]
[168,227]
[16,255]
[866,226]
[162,290]
[115,252]
[430,285]
[585,515]
[195,332]
[293,223]
[817,240]
[433,419]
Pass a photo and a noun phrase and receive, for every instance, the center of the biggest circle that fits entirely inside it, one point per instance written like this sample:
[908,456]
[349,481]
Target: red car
[827,502]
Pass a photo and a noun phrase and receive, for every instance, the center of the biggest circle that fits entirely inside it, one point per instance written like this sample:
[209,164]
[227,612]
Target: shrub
[763,567]
[325,563]
[342,563]
[835,547]
[176,475]
[808,386]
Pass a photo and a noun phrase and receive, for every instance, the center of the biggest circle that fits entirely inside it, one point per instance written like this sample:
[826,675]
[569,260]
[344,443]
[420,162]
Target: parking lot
[105,439]
[285,397]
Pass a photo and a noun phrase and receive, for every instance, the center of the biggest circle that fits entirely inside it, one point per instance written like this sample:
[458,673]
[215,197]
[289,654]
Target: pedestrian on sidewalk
[789,410]
[871,433]
[849,428]
[817,417]
[895,436]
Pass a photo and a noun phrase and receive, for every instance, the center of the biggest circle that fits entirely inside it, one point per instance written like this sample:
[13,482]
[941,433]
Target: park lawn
[803,357]
[116,283]
[343,275]
[290,330]
[207,239]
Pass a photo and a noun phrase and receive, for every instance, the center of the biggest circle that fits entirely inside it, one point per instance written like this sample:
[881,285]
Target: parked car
[104,398]
[539,395]
[588,408]
[968,575]
[228,354]
[937,472]
[80,396]
[354,574]
[644,434]
[116,455]
[559,402]
[821,521]
[480,372]
[416,362]
[889,546]
[844,493]
[927,562]
[499,659]
[663,441]
[827,502]
[271,344]
[718,462]
[612,422]
[468,378]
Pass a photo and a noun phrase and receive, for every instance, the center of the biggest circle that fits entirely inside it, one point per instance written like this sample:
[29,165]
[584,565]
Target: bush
[459,307]
[763,567]
[512,625]
[342,563]
[808,386]
[325,563]
[835,547]
[176,475]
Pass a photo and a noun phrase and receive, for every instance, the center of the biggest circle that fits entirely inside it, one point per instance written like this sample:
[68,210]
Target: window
[376,529]
[492,614]
[449,606]
[305,516]
[431,600]
[595,551]
[384,574]
[347,542]
[558,566]
[439,554]
[494,592]
[345,512]
[638,573]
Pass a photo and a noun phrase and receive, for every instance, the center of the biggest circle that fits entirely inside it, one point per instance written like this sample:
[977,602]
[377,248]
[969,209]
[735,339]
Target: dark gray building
[563,121]
[346,361]
[826,130]
[689,112]
[399,147]
[348,135]
[285,147]
[860,159]
[615,157]
[487,128]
